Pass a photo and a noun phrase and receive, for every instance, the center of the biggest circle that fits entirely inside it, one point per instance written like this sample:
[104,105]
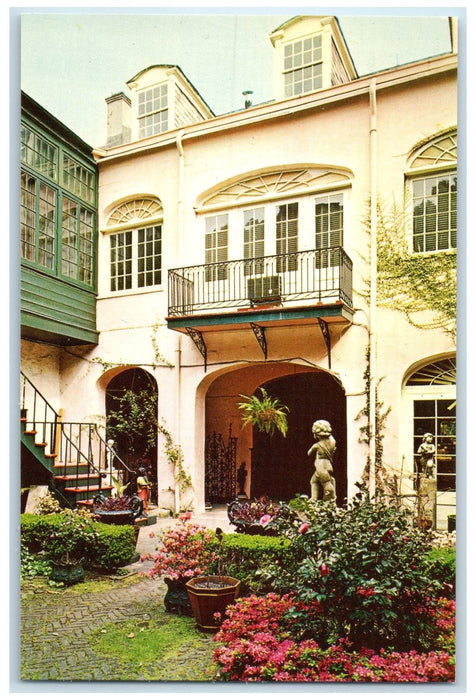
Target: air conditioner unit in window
[262,289]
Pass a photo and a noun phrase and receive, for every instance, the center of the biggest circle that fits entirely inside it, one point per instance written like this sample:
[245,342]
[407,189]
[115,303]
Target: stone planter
[116,517]
[209,597]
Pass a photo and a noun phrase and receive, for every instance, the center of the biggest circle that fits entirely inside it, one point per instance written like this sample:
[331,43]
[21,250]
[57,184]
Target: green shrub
[114,545]
[439,564]
[361,566]
[35,529]
[246,557]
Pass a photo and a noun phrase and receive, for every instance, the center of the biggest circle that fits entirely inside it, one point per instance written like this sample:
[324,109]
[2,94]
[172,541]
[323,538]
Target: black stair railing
[84,463]
[37,415]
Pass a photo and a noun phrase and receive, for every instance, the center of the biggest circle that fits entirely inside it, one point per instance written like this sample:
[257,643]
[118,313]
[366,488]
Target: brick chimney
[118,120]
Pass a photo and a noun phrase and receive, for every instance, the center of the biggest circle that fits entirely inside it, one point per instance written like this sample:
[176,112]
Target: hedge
[244,557]
[114,548]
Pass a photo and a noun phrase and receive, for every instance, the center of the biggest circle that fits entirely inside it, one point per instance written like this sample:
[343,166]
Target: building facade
[276,247]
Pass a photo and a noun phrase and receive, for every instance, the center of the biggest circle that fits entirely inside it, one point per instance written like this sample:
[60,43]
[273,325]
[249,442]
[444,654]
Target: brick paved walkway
[56,629]
[57,626]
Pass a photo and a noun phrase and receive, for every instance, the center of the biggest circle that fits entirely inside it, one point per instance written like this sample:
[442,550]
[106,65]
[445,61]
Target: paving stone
[55,631]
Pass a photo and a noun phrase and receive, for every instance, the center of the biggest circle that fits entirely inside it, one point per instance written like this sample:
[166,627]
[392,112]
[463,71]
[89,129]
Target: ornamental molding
[135,211]
[273,184]
[440,151]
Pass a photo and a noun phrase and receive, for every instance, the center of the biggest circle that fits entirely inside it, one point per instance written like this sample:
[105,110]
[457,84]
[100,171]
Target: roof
[182,74]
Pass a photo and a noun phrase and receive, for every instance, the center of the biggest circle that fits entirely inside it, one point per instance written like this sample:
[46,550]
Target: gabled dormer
[161,99]
[310,53]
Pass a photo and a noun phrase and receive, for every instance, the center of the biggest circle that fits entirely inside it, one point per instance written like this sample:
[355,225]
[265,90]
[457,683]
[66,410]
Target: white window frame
[154,120]
[135,270]
[301,66]
[446,501]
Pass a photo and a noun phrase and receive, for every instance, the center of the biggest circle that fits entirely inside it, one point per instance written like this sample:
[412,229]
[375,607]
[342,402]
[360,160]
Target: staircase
[78,463]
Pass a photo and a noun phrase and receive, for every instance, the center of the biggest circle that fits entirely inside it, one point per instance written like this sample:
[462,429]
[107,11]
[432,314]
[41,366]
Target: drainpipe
[373,283]
[178,349]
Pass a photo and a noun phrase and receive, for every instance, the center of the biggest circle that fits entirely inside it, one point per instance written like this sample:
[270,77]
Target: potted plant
[211,594]
[119,509]
[266,413]
[257,517]
[68,547]
[184,552]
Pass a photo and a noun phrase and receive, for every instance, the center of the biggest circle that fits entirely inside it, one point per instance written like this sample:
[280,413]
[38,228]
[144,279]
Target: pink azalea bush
[184,551]
[257,644]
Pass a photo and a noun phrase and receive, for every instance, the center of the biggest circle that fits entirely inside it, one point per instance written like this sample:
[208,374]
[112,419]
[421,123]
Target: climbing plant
[132,422]
[411,282]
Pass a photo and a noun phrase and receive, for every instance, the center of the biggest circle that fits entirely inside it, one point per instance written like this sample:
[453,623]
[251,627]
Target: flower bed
[258,643]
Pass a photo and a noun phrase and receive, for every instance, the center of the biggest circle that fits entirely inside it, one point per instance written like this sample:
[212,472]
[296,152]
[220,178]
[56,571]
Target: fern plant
[264,413]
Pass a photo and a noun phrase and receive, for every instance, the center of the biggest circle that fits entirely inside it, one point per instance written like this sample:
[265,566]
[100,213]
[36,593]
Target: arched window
[135,239]
[433,181]
[278,211]
[432,393]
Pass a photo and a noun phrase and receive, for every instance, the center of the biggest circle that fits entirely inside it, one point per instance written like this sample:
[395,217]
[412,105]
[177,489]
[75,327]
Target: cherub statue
[427,453]
[324,449]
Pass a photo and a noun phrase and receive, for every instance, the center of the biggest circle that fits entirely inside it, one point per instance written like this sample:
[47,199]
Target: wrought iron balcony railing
[319,275]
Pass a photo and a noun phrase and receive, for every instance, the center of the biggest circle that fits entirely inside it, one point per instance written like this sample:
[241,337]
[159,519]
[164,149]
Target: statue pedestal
[427,503]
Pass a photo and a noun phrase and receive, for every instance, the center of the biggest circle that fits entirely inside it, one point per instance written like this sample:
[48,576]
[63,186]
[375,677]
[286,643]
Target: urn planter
[176,599]
[209,597]
[67,573]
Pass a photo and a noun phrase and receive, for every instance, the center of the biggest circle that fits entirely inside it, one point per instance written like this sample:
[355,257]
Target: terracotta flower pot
[209,597]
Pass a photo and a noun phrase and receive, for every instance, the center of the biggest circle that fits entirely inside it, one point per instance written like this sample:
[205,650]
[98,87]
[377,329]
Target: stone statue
[427,453]
[324,449]
[241,476]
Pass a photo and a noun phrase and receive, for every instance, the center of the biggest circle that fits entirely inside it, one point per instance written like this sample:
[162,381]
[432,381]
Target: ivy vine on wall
[414,282]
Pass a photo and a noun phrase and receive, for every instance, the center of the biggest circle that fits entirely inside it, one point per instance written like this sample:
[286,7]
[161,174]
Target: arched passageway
[277,467]
[280,467]
[131,416]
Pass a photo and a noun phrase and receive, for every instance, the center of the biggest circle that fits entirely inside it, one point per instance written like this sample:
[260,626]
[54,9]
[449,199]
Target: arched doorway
[280,467]
[131,417]
[277,467]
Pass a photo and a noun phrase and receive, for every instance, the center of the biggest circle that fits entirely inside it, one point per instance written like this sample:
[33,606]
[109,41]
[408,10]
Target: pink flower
[304,528]
[264,520]
[185,516]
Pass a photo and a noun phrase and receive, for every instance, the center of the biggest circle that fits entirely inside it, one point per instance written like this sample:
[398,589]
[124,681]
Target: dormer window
[303,66]
[310,54]
[153,113]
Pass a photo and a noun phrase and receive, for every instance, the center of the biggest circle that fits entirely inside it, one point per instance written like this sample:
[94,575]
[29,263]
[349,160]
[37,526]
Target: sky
[72,60]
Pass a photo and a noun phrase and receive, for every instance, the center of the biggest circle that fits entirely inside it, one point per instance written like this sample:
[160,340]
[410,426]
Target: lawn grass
[167,647]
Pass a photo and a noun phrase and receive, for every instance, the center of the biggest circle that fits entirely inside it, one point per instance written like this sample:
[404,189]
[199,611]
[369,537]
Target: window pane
[253,237]
[286,236]
[216,246]
[437,417]
[434,210]
[121,252]
[28,217]
[149,256]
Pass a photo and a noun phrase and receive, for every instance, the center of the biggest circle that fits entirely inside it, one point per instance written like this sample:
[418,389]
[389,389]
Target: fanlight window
[275,184]
[135,244]
[135,210]
[437,373]
[434,412]
[442,151]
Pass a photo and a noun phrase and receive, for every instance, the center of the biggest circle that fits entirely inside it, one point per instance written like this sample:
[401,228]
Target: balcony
[319,276]
[276,291]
